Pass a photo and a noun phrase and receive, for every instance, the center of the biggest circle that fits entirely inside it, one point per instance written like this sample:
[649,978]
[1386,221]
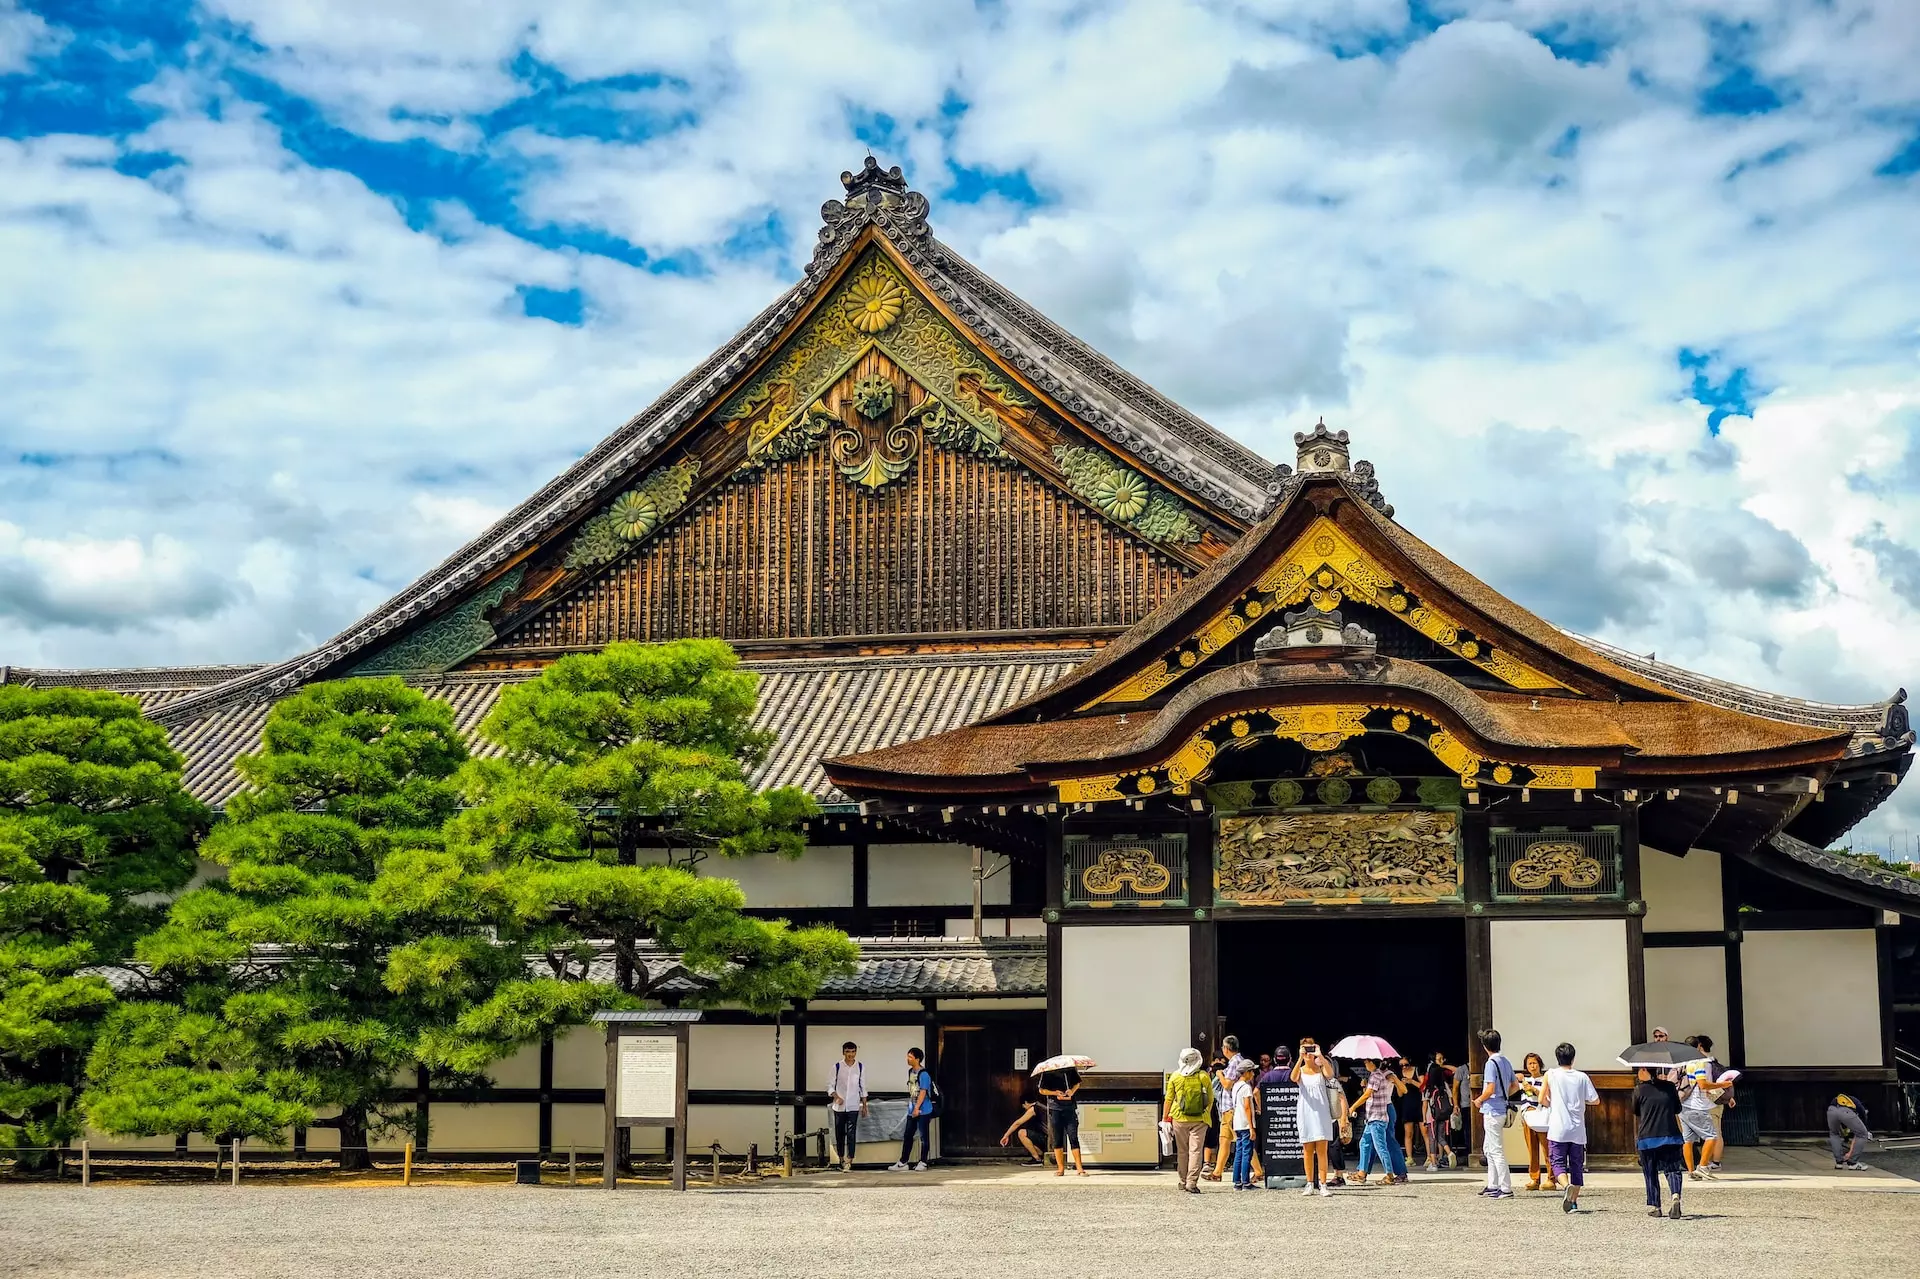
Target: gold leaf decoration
[873,303]
[1338,857]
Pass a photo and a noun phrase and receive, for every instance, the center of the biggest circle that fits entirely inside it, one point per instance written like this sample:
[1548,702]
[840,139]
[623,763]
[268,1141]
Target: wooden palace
[1120,729]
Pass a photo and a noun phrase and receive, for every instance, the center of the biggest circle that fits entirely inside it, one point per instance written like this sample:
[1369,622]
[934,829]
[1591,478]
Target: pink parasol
[1362,1047]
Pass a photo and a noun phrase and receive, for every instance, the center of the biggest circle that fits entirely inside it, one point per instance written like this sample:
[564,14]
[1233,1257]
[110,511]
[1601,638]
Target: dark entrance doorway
[1402,979]
[981,1090]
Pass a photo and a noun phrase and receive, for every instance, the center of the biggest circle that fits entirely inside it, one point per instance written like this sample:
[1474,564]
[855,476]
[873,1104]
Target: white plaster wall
[735,1128]
[882,1048]
[1003,927]
[102,1141]
[522,1070]
[821,876]
[735,1057]
[580,1057]
[490,1125]
[930,875]
[1125,996]
[1687,992]
[1561,979]
[1812,998]
[1682,893]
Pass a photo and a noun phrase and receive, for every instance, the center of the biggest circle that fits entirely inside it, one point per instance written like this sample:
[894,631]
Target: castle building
[1112,721]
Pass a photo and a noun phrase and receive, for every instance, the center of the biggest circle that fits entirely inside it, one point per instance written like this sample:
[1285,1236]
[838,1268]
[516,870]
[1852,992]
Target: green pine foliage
[306,981]
[618,772]
[92,818]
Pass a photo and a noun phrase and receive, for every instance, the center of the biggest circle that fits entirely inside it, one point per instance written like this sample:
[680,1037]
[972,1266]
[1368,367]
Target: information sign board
[648,1076]
[1281,1156]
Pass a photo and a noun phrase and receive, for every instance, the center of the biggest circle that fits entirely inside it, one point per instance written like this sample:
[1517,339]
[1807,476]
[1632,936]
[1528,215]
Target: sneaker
[1710,1175]
[1714,1166]
[846,1165]
[1309,1190]
[900,1167]
[1697,1175]
[1674,1212]
[1568,1205]
[1432,1168]
[1499,1194]
[921,1166]
[1325,1193]
[1857,1166]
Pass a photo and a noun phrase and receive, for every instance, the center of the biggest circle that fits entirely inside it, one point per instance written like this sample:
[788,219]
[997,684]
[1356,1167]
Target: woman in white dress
[1311,1071]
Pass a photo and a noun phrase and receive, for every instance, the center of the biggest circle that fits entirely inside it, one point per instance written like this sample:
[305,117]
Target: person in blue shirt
[919,1114]
[1492,1102]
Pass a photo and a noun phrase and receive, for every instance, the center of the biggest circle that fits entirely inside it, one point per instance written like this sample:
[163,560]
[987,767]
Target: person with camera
[1312,1072]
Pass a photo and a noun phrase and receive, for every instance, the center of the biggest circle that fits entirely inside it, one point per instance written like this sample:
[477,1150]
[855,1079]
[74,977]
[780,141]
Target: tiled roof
[151,686]
[888,968]
[891,968]
[946,966]
[1831,863]
[1865,719]
[814,707]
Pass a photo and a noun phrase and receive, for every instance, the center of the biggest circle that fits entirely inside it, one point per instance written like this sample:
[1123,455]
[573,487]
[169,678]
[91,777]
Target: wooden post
[610,1143]
[979,890]
[86,1165]
[573,1165]
[716,1163]
[236,1161]
[406,1166]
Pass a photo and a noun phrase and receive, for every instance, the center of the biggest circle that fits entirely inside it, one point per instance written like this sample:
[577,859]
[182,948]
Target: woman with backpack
[1188,1102]
[1436,1087]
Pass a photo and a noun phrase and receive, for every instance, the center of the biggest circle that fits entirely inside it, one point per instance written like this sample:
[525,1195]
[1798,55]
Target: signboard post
[1282,1158]
[647,1082]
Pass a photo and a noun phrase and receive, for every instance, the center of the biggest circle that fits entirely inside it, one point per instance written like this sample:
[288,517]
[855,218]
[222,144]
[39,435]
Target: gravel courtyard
[992,1224]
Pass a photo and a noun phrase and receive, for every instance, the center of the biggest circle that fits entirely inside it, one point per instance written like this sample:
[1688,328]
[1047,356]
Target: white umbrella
[1065,1061]
[1363,1047]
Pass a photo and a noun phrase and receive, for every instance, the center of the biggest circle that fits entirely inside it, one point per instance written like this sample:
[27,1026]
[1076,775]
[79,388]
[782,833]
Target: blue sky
[1621,298]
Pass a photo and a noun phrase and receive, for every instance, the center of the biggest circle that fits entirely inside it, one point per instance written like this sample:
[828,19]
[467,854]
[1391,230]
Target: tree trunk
[626,853]
[354,1156]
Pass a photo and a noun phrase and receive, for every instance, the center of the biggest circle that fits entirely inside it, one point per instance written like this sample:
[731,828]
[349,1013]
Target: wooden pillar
[1636,923]
[1883,937]
[1479,1015]
[1203,942]
[1056,893]
[799,1066]
[546,1095]
[862,913]
[1736,988]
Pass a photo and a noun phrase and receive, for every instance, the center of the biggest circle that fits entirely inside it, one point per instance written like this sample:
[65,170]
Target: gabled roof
[1181,449]
[1501,686]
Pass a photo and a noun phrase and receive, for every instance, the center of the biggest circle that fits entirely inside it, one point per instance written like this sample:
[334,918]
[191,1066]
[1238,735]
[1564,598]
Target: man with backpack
[848,1101]
[922,1101]
[1189,1099]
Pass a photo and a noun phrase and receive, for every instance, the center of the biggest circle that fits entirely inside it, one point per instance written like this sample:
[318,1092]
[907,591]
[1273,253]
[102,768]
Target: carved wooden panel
[956,543]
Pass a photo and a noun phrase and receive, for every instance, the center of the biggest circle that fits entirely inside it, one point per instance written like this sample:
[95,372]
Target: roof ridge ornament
[1324,452]
[875,197]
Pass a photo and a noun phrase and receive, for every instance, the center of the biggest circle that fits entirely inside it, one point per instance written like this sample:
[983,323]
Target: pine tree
[307,979]
[92,821]
[618,771]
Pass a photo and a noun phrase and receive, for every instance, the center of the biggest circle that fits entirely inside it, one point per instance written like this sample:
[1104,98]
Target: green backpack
[1191,1097]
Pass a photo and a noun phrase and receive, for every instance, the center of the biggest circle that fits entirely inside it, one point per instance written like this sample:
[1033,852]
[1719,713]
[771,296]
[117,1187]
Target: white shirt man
[847,1101]
[1568,1093]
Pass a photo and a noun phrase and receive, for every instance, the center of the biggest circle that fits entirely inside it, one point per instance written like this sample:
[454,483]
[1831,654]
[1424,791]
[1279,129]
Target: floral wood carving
[1124,496]
[1338,857]
[1548,860]
[633,516]
[448,639]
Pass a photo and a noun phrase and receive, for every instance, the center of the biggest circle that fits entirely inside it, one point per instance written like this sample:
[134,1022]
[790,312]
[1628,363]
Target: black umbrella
[1660,1052]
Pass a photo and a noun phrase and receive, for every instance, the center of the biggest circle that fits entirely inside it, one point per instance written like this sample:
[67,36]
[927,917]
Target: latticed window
[1126,870]
[1557,863]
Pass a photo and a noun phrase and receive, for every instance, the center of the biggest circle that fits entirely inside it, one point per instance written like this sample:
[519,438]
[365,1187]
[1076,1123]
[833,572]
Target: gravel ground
[932,1227]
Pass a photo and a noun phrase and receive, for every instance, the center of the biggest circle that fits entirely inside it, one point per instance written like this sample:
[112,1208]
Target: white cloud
[1479,257]
[25,36]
